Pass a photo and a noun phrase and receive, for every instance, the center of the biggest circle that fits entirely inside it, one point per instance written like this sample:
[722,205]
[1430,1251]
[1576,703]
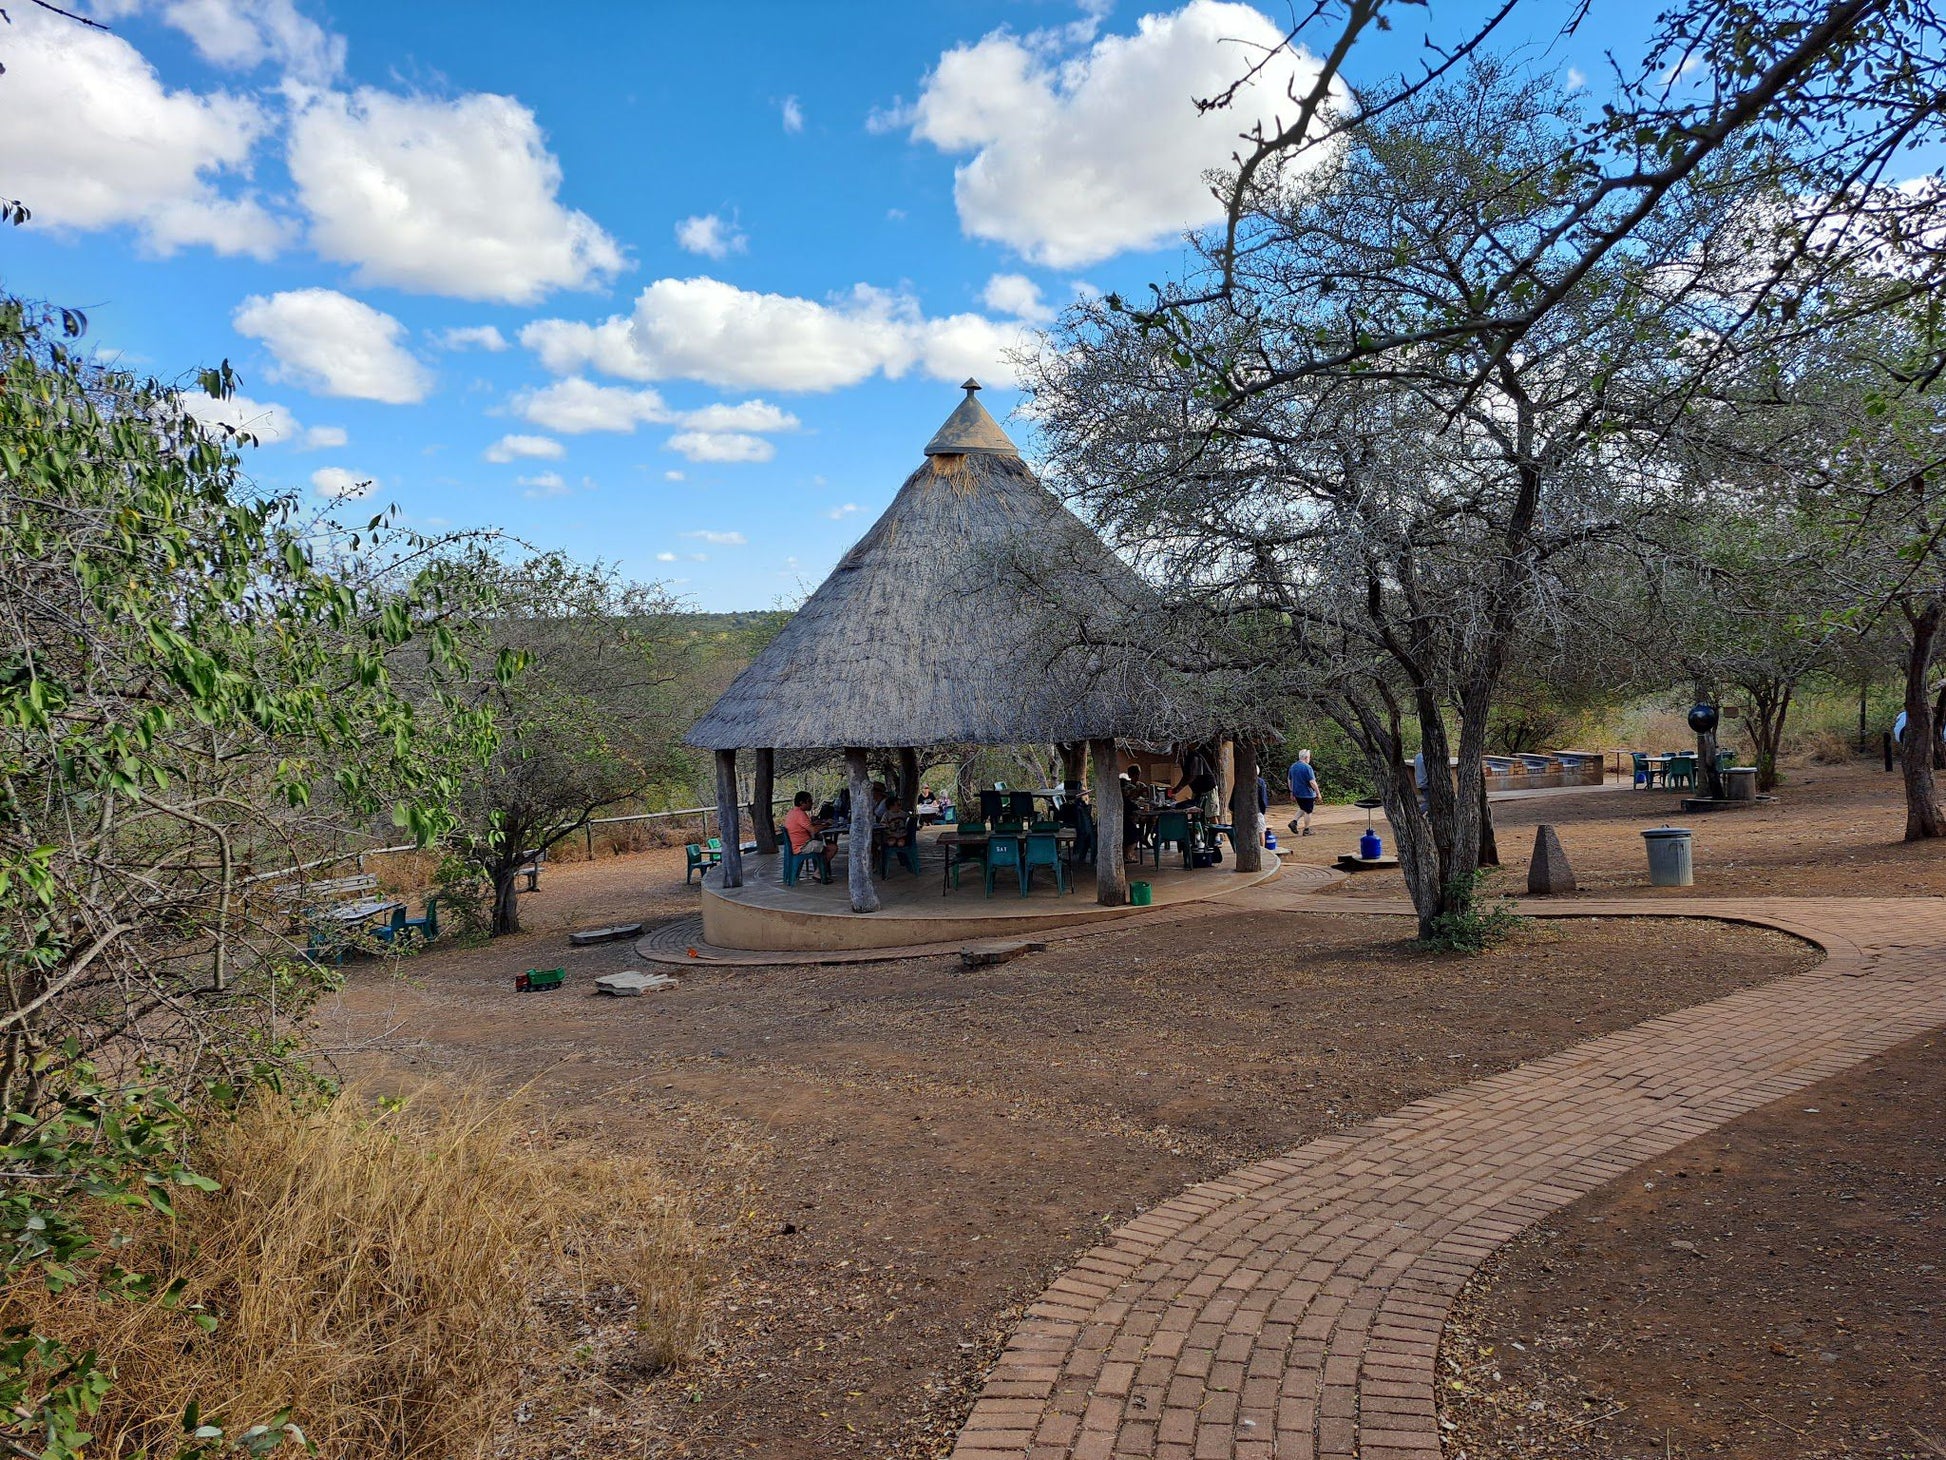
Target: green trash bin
[1140,894]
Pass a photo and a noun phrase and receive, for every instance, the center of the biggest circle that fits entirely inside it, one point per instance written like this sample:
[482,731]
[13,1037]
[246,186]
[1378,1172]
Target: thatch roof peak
[927,634]
[969,429]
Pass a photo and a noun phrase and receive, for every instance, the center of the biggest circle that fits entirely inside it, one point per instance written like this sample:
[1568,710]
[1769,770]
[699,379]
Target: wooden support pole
[858,855]
[1111,878]
[1074,761]
[730,825]
[908,778]
[762,815]
[1245,819]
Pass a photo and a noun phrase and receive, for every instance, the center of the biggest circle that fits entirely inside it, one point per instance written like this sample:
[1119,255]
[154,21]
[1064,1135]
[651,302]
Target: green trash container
[1669,864]
[1140,894]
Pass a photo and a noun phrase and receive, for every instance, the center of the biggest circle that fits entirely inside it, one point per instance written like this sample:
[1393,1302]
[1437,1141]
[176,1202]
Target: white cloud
[1076,161]
[750,415]
[665,557]
[335,345]
[545,484]
[971,344]
[793,115]
[576,405]
[525,448]
[473,337]
[268,422]
[325,438]
[338,484]
[1018,296]
[704,329]
[242,34]
[719,539]
[90,138]
[838,514]
[710,236]
[1576,80]
[673,475]
[723,446]
[451,197]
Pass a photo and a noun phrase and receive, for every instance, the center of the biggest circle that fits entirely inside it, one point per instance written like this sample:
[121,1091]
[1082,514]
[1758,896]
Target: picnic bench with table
[961,845]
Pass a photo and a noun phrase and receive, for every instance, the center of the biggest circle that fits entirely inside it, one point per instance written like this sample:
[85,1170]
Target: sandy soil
[1830,831]
[1771,1289]
[892,1159]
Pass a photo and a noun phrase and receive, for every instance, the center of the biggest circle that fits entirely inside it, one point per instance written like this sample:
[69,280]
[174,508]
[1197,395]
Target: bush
[465,899]
[1467,926]
[384,1274]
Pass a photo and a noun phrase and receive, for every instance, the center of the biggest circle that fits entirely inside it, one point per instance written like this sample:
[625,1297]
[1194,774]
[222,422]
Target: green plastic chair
[962,854]
[1172,826]
[1043,851]
[793,862]
[426,927]
[699,861]
[1640,758]
[389,931]
[1724,760]
[1004,851]
[1680,772]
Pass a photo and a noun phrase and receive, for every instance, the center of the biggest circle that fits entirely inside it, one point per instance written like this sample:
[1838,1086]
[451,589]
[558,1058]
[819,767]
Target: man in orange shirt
[803,828]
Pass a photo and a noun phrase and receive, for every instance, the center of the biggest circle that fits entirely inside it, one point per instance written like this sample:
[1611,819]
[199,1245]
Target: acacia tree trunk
[1770,701]
[858,851]
[506,898]
[1111,877]
[1489,843]
[763,819]
[1923,818]
[1246,821]
[1938,719]
[729,823]
[908,778]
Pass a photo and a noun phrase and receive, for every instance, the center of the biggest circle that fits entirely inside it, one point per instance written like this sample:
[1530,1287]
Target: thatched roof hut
[977,610]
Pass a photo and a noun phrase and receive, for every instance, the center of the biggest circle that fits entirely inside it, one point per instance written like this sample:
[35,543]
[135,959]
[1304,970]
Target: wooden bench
[329,889]
[530,868]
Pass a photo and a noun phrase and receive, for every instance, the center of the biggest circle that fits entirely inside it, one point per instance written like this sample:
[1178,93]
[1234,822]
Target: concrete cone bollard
[1549,872]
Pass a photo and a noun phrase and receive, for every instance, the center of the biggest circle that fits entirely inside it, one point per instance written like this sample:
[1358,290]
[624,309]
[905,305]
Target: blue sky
[682,287]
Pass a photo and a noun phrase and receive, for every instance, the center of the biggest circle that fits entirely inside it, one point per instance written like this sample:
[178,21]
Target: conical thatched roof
[954,620]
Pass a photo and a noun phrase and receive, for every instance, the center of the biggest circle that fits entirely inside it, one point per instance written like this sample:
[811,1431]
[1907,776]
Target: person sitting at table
[1134,803]
[803,828]
[928,808]
[879,794]
[1198,782]
[894,826]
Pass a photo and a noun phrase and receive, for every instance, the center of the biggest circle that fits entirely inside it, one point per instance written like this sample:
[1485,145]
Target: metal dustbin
[1740,783]
[1669,856]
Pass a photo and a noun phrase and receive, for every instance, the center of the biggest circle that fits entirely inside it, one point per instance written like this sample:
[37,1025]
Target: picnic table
[952,841]
[358,912]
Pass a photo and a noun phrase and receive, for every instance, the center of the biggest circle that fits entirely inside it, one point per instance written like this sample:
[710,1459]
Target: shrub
[1467,926]
[383,1274]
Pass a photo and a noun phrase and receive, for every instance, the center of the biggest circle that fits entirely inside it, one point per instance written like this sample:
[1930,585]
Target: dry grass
[390,1275]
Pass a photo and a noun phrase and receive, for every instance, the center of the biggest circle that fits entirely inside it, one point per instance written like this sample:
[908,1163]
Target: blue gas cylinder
[1370,847]
[1270,841]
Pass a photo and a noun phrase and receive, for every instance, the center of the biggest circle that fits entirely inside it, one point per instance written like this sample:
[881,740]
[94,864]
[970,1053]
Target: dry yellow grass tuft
[386,1274]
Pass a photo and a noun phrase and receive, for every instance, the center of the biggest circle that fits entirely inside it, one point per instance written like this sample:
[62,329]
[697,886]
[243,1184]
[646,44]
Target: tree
[198,697]
[1380,542]
[1821,100]
[592,718]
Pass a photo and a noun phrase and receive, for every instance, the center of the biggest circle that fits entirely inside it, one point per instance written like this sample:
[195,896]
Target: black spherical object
[1702,718]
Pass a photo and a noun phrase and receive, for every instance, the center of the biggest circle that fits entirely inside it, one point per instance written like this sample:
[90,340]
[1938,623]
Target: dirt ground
[1830,831]
[1770,1289]
[892,1159]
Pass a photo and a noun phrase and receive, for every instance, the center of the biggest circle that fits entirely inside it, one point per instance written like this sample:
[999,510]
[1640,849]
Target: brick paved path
[1293,1308]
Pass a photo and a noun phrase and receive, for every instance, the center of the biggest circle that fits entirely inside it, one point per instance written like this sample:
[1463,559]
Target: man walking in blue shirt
[1304,790]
